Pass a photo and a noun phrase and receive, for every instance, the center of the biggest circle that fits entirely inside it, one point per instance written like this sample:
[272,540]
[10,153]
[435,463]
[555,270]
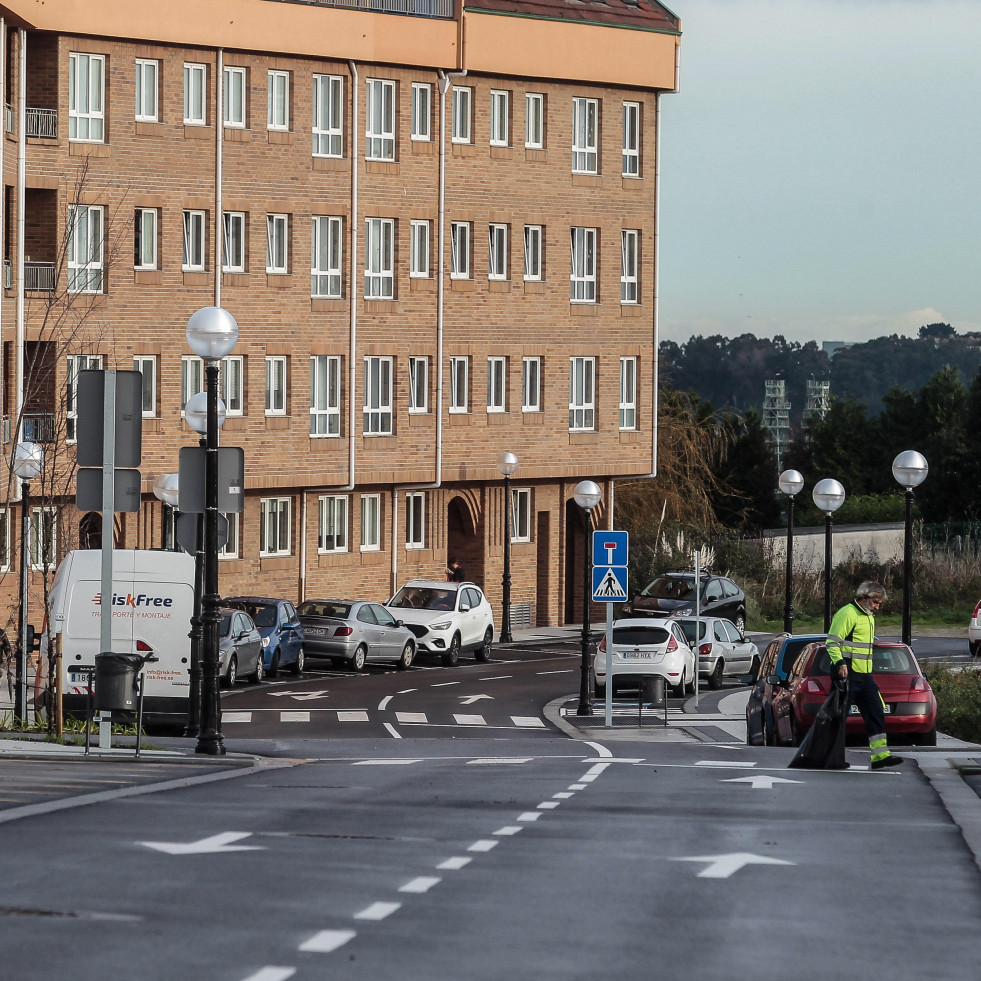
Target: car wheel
[260,670]
[740,622]
[297,666]
[273,671]
[715,678]
[795,733]
[452,657]
[231,675]
[599,690]
[483,653]
[678,690]
[750,741]
[360,656]
[406,659]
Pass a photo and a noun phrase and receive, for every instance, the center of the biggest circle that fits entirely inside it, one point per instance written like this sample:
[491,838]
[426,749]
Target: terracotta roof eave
[608,22]
[647,14]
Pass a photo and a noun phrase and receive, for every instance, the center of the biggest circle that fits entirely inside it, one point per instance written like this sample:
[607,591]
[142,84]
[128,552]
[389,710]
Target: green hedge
[958,701]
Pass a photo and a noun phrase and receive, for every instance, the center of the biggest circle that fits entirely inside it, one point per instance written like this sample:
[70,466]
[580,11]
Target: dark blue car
[775,665]
[281,630]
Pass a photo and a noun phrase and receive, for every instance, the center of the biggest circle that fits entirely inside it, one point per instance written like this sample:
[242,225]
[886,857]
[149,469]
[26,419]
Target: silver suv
[446,617]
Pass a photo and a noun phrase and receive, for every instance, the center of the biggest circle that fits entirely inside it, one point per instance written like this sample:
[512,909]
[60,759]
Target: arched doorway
[462,541]
[90,530]
[575,556]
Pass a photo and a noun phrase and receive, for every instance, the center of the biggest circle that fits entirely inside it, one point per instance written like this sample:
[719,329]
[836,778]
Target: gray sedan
[355,632]
[239,647]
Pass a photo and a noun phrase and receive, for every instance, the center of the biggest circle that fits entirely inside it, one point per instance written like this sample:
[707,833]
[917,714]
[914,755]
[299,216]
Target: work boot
[888,761]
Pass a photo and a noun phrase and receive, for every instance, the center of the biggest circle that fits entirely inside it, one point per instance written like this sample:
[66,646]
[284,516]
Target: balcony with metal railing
[42,123]
[412,8]
[38,428]
[39,277]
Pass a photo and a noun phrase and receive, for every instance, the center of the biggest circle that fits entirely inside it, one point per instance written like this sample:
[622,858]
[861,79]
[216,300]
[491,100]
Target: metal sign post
[610,550]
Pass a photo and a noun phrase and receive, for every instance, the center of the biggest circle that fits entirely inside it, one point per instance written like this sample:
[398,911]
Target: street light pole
[828,495]
[790,483]
[27,464]
[587,495]
[507,463]
[212,333]
[910,470]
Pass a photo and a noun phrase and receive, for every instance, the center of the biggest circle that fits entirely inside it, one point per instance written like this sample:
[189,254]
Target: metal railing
[8,274]
[42,123]
[8,117]
[415,8]
[39,277]
[38,428]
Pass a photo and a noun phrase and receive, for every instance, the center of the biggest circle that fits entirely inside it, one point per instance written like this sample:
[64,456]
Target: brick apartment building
[435,222]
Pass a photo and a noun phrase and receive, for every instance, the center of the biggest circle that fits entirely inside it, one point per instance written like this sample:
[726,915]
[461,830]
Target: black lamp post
[910,470]
[587,495]
[212,333]
[828,496]
[27,464]
[507,463]
[790,483]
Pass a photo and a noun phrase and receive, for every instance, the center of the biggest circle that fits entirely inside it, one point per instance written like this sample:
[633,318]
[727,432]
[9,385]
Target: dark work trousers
[864,692]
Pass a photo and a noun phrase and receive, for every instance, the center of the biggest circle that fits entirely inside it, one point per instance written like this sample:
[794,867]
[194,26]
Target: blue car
[281,630]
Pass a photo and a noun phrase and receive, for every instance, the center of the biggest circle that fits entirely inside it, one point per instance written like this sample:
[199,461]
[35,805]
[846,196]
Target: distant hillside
[730,372]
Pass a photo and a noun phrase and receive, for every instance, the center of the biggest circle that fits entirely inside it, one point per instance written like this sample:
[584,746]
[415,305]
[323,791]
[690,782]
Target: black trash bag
[823,747]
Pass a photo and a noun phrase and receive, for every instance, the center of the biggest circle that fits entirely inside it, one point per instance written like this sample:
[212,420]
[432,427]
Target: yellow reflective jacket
[851,636]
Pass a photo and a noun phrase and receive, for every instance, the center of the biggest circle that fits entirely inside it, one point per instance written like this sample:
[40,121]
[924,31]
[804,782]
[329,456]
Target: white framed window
[631,139]
[422,111]
[497,384]
[378,396]
[419,238]
[275,385]
[585,151]
[582,275]
[520,514]
[278,101]
[415,519]
[193,256]
[327,252]
[146,365]
[628,393]
[379,259]
[533,253]
[86,223]
[497,251]
[234,97]
[195,86]
[531,384]
[379,132]
[74,364]
[459,384]
[462,114]
[325,395]
[418,384]
[145,246]
[459,250]
[629,260]
[192,377]
[4,539]
[274,526]
[500,117]
[582,394]
[233,241]
[328,116]
[331,523]
[44,538]
[147,75]
[232,384]
[230,550]
[277,244]
[86,97]
[370,522]
[534,120]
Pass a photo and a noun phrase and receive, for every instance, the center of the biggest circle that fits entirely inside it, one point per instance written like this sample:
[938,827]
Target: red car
[911,707]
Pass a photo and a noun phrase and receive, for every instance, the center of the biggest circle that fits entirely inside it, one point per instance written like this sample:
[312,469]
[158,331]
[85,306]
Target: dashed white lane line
[421,883]
[272,974]
[295,716]
[455,863]
[444,684]
[548,805]
[484,845]
[343,716]
[577,786]
[328,940]
[405,691]
[377,911]
[470,720]
[528,721]
[530,816]
[495,760]
[563,671]
[237,717]
[562,795]
[510,829]
[498,677]
[410,718]
[384,762]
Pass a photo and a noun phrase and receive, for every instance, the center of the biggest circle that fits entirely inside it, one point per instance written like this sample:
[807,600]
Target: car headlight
[442,625]
[265,642]
[686,612]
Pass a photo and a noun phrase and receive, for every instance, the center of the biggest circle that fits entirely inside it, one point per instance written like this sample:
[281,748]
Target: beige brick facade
[170,167]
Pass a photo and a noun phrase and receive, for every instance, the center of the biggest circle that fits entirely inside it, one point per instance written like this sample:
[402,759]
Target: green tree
[745,497]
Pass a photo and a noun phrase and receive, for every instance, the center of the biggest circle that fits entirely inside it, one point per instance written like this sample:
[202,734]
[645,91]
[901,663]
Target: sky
[821,169]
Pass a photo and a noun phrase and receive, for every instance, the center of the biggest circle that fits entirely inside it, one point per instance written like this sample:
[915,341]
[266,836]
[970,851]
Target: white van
[152,604]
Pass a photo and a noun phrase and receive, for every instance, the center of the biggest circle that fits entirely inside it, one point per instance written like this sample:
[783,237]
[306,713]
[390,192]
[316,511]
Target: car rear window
[338,611]
[688,626]
[885,660]
[636,636]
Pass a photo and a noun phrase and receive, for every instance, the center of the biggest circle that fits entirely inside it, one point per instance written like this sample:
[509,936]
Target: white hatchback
[645,646]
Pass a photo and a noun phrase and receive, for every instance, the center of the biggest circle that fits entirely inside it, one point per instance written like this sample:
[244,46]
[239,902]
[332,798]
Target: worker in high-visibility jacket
[850,645]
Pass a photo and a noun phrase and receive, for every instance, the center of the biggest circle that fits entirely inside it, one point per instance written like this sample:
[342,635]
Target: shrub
[958,701]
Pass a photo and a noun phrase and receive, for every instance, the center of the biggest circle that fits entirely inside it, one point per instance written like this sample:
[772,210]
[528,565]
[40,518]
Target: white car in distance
[722,650]
[645,646]
[446,618]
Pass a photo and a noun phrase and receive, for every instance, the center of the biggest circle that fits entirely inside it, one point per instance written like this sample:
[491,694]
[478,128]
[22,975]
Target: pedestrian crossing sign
[609,584]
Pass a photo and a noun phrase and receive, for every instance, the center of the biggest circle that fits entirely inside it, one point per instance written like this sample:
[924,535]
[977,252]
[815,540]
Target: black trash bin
[115,681]
[653,691]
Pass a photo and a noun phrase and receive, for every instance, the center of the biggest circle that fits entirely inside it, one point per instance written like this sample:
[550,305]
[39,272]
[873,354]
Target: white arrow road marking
[216,843]
[760,781]
[327,940]
[722,866]
[299,695]
[470,699]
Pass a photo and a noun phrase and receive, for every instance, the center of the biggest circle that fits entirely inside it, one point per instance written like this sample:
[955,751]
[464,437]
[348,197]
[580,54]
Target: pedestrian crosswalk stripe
[352,716]
[528,721]
[294,716]
[470,720]
[411,718]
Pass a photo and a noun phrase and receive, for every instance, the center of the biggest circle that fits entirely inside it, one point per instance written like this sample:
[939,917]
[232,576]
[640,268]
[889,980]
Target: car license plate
[77,678]
[886,710]
[315,631]
[636,655]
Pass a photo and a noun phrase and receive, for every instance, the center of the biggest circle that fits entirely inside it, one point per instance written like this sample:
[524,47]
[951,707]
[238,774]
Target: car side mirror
[464,607]
[747,679]
[774,679]
[399,623]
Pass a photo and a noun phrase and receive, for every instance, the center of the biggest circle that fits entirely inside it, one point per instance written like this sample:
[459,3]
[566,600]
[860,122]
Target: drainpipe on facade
[3,197]
[219,157]
[17,433]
